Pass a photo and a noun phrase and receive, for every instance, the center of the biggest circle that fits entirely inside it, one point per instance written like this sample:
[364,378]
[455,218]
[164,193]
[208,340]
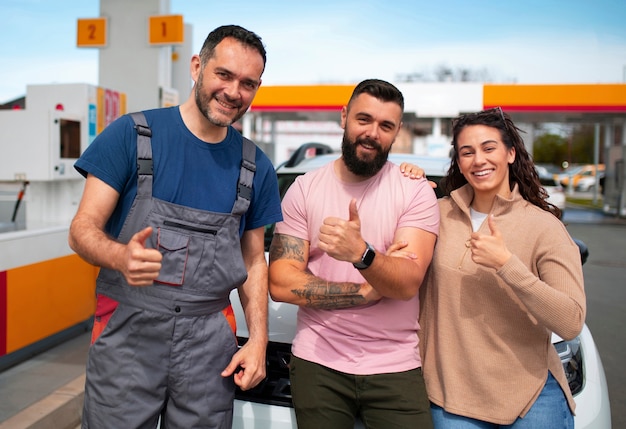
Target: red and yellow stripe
[601,98]
[44,298]
[588,98]
[301,98]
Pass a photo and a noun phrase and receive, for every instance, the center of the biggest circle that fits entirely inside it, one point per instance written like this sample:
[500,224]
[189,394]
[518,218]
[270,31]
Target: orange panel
[48,297]
[292,98]
[585,98]
[91,32]
[122,103]
[100,110]
[166,30]
[3,313]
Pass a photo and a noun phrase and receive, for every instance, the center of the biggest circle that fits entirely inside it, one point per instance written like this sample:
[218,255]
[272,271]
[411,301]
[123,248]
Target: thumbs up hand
[341,238]
[141,264]
[489,250]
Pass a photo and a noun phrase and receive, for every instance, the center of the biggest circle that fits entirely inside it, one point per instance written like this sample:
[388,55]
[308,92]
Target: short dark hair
[245,37]
[380,90]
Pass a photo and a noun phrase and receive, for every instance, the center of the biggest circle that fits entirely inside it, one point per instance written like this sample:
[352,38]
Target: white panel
[28,247]
[444,100]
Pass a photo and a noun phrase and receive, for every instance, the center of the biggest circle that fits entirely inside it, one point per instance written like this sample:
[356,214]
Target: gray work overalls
[165,345]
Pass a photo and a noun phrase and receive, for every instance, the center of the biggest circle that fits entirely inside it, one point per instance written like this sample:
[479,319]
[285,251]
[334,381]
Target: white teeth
[482,173]
[227,106]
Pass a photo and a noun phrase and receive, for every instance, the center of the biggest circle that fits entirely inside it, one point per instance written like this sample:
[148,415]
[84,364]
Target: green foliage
[582,145]
[550,149]
[576,149]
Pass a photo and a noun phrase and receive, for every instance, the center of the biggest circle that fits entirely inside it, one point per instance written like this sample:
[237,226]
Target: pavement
[46,391]
[582,214]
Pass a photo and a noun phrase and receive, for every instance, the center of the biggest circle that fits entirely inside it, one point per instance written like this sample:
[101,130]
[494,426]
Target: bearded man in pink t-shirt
[355,353]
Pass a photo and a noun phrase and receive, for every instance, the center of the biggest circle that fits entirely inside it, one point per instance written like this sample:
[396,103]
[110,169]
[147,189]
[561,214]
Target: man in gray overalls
[173,211]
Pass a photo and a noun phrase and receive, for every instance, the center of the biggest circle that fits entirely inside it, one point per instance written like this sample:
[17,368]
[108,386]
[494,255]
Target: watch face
[367,258]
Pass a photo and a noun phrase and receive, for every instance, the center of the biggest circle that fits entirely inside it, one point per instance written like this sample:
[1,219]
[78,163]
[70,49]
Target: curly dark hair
[245,37]
[522,171]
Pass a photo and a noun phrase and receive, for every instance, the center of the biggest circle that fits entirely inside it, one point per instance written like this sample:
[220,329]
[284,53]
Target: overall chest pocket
[183,248]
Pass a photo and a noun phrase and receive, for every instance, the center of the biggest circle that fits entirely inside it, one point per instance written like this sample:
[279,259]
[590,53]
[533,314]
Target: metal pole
[596,160]
[621,175]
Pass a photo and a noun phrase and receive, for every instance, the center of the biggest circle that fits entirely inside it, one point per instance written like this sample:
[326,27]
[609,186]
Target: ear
[511,156]
[195,68]
[344,116]
[398,132]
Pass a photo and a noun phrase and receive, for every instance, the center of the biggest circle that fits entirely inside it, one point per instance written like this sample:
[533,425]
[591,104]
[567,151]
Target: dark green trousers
[327,399]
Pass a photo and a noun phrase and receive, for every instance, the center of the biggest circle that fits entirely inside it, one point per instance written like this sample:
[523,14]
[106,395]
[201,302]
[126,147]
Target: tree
[550,149]
[582,144]
[445,73]
[576,148]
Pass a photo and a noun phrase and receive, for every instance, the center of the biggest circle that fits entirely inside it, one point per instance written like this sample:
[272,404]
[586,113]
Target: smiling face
[370,128]
[484,160]
[227,83]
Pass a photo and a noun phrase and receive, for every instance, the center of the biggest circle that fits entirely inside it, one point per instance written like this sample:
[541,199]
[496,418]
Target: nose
[372,132]
[479,158]
[231,89]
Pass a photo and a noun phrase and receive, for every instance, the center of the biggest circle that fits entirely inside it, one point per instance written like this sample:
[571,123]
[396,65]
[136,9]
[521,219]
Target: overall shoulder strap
[144,155]
[246,177]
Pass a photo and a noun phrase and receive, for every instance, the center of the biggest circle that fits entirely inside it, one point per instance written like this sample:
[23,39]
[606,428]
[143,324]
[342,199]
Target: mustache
[369,142]
[226,99]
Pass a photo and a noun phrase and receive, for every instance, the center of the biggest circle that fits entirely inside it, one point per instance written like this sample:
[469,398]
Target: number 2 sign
[91,33]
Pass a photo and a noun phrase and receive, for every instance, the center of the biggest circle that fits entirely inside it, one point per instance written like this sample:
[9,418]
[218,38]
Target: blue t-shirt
[186,170]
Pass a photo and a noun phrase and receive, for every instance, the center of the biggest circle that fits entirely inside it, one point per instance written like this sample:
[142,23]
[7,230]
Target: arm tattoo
[288,247]
[317,292]
[330,295]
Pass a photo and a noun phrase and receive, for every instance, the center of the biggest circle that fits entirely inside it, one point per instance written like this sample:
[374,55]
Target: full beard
[357,166]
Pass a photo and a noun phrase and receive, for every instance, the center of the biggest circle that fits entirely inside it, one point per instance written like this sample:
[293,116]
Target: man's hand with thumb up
[142,265]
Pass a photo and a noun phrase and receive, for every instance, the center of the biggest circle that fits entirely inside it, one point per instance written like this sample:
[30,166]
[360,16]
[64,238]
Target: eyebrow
[482,143]
[369,116]
[253,81]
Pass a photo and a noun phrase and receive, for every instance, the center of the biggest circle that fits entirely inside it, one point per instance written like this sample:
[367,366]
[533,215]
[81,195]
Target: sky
[345,41]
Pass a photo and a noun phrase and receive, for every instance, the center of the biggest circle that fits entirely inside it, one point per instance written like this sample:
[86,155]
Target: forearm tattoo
[317,292]
[330,295]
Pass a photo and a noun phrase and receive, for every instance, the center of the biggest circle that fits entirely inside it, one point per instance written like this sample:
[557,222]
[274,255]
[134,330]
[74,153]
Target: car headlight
[572,360]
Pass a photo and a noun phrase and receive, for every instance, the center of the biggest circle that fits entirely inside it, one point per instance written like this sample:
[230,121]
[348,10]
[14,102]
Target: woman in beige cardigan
[505,275]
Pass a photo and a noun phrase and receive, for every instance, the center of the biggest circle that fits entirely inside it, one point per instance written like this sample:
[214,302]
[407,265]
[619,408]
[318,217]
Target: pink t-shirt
[371,339]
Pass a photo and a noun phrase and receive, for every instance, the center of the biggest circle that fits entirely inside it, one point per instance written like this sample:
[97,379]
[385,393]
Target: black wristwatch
[367,258]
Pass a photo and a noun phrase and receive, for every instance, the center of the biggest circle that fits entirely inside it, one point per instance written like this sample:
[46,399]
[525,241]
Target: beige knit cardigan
[485,334]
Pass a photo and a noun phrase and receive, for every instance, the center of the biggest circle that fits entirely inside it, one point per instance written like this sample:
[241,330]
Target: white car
[588,183]
[556,193]
[269,404]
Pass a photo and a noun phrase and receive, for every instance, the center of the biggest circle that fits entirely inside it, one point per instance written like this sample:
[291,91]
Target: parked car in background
[590,183]
[556,193]
[269,404]
[550,169]
[576,173]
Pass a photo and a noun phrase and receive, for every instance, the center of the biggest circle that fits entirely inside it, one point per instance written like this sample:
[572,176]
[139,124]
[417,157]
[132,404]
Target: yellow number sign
[166,30]
[91,32]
